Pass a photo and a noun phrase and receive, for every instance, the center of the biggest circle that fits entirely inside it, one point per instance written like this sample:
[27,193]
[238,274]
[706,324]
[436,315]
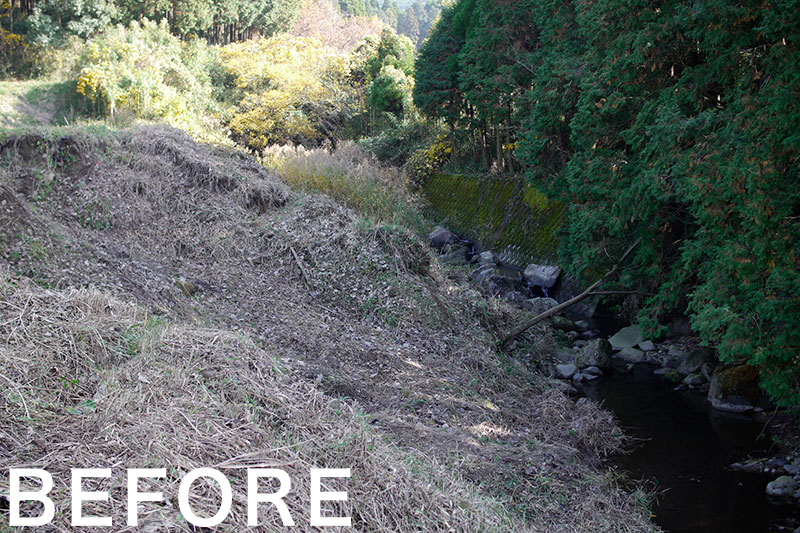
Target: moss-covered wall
[506,215]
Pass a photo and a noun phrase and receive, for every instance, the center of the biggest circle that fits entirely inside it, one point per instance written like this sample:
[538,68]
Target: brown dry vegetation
[190,310]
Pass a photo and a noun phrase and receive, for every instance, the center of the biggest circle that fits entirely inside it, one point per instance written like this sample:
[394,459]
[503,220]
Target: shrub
[19,58]
[292,89]
[395,144]
[144,70]
[390,92]
[425,162]
[385,64]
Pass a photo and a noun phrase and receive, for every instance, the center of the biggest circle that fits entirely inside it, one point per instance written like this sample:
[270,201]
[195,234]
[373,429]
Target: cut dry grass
[361,309]
[93,382]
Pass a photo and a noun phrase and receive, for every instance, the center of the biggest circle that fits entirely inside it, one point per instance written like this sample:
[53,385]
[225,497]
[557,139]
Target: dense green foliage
[389,74]
[47,22]
[145,71]
[677,123]
[282,89]
[418,19]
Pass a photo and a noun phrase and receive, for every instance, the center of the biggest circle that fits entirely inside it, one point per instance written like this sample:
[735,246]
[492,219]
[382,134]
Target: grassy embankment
[191,310]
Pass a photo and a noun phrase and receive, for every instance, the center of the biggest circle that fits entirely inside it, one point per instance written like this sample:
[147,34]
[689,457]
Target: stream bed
[686,449]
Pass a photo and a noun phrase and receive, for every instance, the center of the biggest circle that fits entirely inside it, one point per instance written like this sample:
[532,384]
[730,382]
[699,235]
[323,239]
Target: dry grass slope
[277,327]
[92,381]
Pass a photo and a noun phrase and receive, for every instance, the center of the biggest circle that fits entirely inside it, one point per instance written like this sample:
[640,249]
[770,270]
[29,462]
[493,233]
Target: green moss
[504,214]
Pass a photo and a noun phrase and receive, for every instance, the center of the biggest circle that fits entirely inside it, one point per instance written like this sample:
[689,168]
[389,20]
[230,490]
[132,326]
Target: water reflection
[687,450]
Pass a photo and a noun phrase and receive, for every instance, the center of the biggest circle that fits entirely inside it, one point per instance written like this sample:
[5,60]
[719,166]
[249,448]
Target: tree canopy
[677,123]
[418,19]
[223,21]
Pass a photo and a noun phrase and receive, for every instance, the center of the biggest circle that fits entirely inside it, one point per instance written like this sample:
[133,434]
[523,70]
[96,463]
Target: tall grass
[352,177]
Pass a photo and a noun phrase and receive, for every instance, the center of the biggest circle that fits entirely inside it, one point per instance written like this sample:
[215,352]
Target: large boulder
[565,355]
[597,352]
[626,337]
[457,255]
[566,371]
[564,324]
[592,371]
[489,278]
[695,360]
[707,370]
[515,297]
[483,273]
[647,346]
[694,380]
[675,357]
[538,306]
[486,258]
[783,487]
[676,351]
[544,276]
[499,285]
[631,355]
[735,389]
[441,237]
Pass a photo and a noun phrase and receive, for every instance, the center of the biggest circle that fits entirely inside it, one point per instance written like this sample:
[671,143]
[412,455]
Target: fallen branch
[620,293]
[572,301]
[302,269]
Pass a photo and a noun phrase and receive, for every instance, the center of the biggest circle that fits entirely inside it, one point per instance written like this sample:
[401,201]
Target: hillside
[520,266]
[166,303]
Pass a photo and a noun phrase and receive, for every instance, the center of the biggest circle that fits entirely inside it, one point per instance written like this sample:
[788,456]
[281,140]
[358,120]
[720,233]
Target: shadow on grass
[41,103]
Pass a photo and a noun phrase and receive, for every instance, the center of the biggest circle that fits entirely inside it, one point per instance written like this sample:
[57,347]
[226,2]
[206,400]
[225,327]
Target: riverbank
[167,277]
[720,457]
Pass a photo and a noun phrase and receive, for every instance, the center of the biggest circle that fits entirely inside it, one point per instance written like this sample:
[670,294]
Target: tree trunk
[484,155]
[499,143]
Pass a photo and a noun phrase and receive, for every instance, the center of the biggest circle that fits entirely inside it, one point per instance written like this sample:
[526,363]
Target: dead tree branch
[572,301]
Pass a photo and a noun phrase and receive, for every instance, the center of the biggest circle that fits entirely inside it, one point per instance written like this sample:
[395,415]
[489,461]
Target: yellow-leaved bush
[425,162]
[144,70]
[292,89]
[17,57]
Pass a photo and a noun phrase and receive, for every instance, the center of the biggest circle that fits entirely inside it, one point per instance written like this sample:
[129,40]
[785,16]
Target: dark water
[687,452]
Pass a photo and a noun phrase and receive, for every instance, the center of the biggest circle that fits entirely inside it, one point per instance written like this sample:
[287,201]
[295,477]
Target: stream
[687,448]
[684,449]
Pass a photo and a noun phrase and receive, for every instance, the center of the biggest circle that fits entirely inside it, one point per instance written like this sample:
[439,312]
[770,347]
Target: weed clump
[352,177]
